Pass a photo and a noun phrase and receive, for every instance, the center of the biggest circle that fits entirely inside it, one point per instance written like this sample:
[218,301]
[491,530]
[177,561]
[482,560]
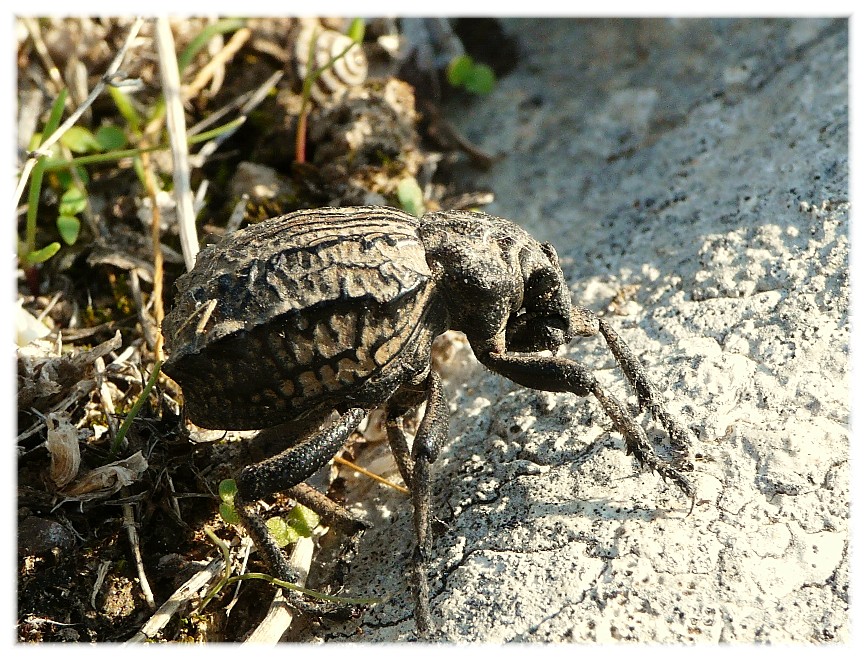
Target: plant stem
[136,407]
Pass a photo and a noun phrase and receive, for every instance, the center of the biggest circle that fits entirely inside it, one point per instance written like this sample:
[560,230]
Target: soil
[95,306]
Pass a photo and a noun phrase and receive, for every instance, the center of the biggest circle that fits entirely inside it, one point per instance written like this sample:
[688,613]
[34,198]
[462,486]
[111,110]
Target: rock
[704,162]
[38,536]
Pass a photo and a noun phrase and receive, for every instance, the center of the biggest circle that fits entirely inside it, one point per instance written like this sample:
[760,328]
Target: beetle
[335,310]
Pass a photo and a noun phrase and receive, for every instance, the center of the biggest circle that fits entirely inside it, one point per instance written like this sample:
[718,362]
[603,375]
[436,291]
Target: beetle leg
[585,323]
[399,445]
[648,396]
[415,471]
[431,434]
[551,373]
[281,472]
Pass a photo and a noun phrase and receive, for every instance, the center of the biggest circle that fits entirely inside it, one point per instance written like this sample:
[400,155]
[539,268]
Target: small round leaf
[459,69]
[227,490]
[282,533]
[228,514]
[303,520]
[79,140]
[110,138]
[68,226]
[356,30]
[410,196]
[73,201]
[480,80]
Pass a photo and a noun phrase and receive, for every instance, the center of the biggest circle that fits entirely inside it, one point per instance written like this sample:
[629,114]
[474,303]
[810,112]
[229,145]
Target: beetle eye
[551,253]
[542,285]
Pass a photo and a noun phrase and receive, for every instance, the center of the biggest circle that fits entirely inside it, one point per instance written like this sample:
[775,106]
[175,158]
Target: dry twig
[181,596]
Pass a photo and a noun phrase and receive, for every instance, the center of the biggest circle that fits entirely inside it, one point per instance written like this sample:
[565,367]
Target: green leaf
[60,174]
[356,30]
[40,255]
[303,520]
[73,201]
[83,176]
[55,116]
[228,514]
[110,138]
[136,407]
[126,108]
[410,196]
[227,490]
[481,79]
[459,69]
[282,533]
[35,141]
[68,226]
[79,140]
[32,255]
[60,178]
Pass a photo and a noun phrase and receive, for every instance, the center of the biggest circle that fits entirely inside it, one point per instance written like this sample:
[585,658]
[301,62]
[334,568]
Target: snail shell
[63,447]
[315,47]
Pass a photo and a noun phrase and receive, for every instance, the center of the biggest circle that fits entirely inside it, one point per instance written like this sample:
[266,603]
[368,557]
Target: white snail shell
[315,47]
[63,447]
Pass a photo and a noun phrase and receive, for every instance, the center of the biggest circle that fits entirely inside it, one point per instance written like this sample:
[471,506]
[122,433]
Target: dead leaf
[102,482]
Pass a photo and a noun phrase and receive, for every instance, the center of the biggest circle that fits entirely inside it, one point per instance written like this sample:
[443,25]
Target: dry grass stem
[279,616]
[105,396]
[172,499]
[369,474]
[219,60]
[257,97]
[158,259]
[177,137]
[182,597]
[100,579]
[244,552]
[237,215]
[132,534]
[73,118]
[144,318]
[35,31]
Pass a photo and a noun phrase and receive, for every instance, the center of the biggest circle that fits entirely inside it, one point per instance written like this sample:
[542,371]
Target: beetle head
[496,277]
[543,320]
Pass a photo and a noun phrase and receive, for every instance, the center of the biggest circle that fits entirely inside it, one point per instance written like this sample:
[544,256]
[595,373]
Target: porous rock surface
[693,176]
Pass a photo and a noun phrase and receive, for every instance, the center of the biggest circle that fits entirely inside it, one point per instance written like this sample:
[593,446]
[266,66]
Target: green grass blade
[200,41]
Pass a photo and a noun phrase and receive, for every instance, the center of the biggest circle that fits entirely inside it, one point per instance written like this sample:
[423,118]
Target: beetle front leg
[648,396]
[415,469]
[550,373]
[585,323]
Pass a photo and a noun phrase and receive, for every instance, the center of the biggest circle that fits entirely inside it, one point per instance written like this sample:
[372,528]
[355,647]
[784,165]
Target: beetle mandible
[335,310]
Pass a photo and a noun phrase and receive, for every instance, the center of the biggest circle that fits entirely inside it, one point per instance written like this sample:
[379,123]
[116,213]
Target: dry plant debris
[90,302]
